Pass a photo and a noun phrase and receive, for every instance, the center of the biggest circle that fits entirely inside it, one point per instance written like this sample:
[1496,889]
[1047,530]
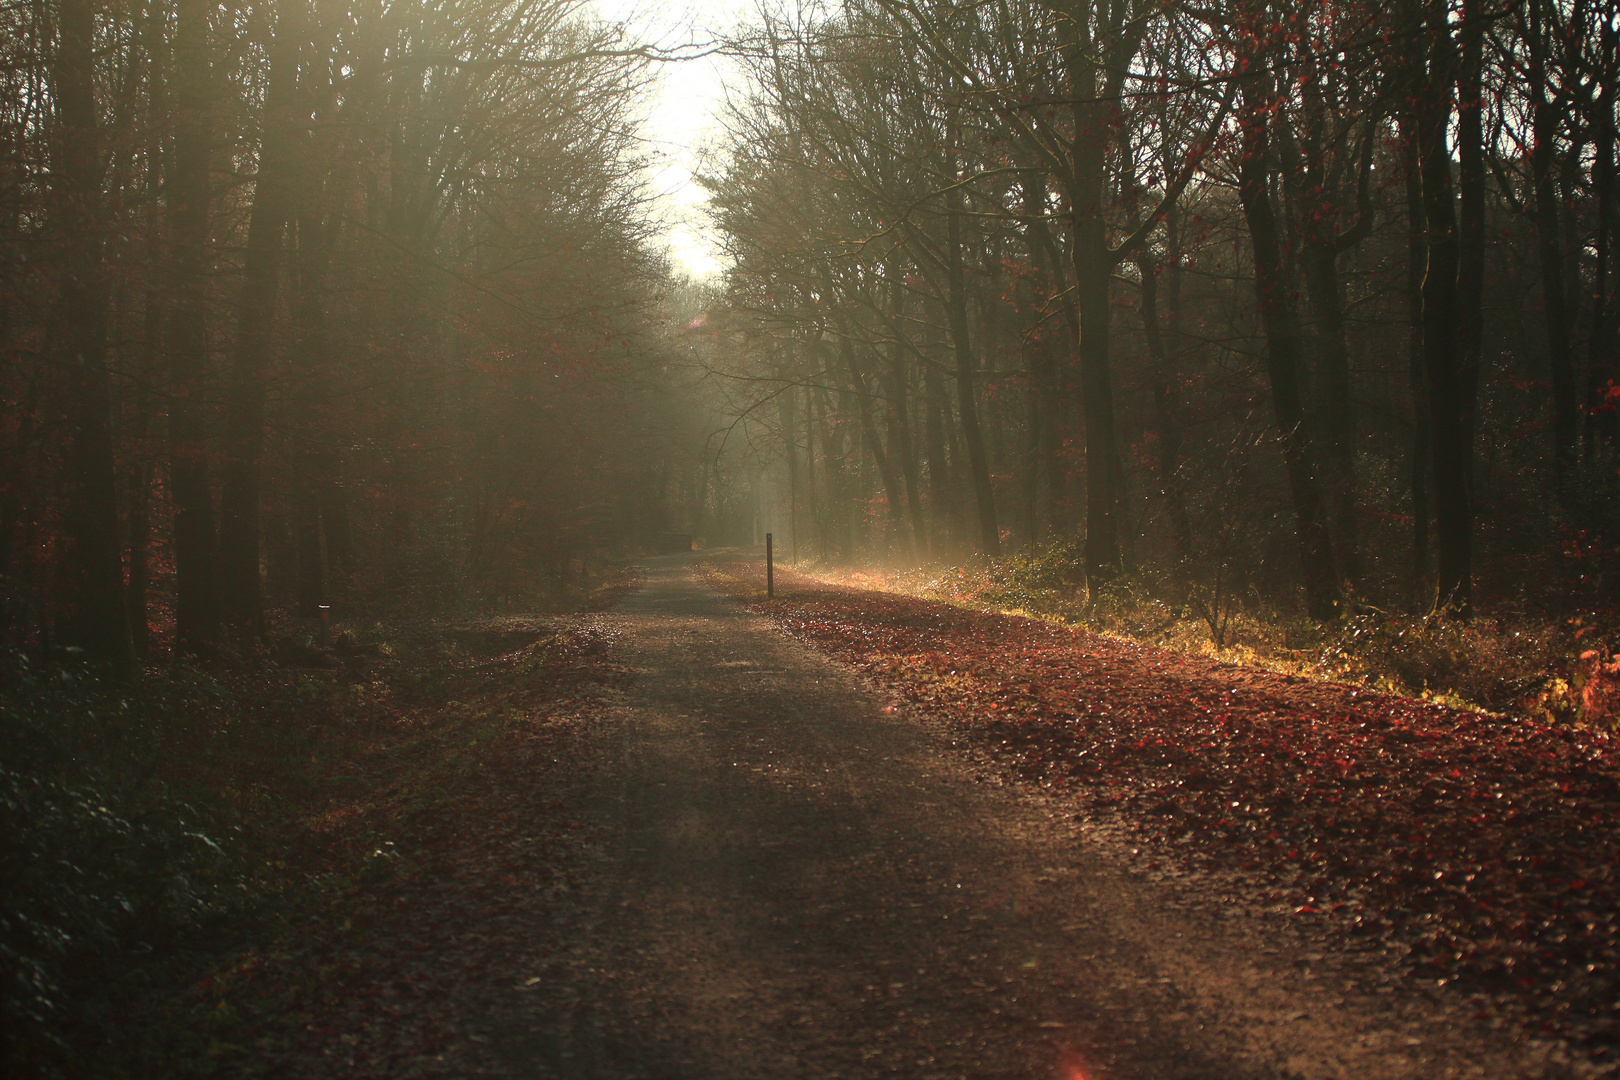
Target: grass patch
[1560,670]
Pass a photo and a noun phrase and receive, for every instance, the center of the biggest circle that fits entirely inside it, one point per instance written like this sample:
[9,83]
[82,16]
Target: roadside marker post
[770,570]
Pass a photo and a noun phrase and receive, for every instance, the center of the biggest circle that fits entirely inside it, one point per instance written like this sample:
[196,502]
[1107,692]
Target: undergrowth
[157,834]
[1564,671]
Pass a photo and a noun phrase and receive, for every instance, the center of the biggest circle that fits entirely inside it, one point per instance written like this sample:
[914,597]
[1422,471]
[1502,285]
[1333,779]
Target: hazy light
[683,117]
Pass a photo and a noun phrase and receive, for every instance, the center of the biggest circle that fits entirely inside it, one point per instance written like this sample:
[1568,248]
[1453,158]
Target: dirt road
[789,880]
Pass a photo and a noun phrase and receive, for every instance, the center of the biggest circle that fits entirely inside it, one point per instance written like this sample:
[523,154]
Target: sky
[683,115]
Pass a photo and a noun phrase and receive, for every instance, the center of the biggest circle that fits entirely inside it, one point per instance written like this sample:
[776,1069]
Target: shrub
[103,863]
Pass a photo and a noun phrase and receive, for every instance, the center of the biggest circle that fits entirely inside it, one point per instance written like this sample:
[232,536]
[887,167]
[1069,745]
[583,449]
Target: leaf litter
[440,873]
[1476,853]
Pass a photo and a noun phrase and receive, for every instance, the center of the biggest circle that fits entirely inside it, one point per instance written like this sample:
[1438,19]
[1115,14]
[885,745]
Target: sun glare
[1069,1067]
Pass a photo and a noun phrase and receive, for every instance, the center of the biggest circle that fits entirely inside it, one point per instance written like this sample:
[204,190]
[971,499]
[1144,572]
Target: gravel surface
[787,875]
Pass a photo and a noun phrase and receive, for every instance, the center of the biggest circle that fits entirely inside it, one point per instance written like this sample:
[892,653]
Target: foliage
[392,335]
[116,865]
[181,830]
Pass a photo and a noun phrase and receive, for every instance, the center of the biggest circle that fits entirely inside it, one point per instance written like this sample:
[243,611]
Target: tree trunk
[1284,354]
[139,531]
[141,402]
[241,597]
[308,389]
[1055,406]
[1164,411]
[93,569]
[1417,257]
[335,529]
[941,485]
[989,539]
[1453,510]
[195,548]
[839,498]
[1093,277]
[787,412]
[899,416]
[885,466]
[1471,235]
[1326,293]
[1555,314]
[1037,352]
[966,372]
[321,544]
[309,577]
[1095,61]
[138,520]
[810,424]
[1038,377]
[1034,420]
[1601,415]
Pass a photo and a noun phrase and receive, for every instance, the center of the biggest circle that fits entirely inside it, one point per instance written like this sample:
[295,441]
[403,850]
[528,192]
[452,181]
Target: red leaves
[1608,399]
[1389,817]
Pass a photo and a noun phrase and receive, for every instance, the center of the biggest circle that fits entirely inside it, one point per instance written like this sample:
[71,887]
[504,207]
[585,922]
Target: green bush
[104,867]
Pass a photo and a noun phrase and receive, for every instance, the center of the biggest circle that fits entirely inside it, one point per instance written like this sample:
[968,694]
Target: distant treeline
[313,297]
[1316,295]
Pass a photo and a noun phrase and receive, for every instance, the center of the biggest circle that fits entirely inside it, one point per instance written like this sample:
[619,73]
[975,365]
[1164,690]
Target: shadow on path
[794,883]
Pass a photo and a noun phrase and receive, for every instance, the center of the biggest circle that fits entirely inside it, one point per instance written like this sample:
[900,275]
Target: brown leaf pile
[1481,851]
[458,854]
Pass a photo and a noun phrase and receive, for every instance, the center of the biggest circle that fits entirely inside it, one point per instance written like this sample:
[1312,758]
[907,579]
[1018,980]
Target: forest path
[789,881]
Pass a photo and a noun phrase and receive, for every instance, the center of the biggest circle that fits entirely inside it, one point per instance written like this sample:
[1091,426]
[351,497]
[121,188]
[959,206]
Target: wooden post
[770,570]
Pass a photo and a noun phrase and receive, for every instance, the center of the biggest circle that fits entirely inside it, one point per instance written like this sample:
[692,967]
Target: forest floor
[414,850]
[1459,853]
[904,839]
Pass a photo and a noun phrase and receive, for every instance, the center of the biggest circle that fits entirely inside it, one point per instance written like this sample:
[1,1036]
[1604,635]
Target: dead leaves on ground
[439,868]
[1480,851]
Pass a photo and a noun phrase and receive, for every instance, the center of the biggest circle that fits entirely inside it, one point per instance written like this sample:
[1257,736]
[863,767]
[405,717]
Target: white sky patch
[684,115]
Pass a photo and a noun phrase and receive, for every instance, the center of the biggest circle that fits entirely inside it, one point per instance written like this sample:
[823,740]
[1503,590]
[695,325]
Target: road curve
[789,878]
